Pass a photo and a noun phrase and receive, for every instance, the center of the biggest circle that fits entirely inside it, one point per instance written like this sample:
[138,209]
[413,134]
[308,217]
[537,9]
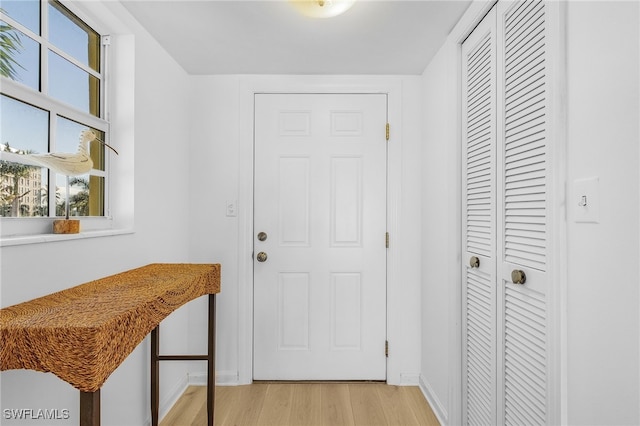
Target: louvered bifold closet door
[523,222]
[479,227]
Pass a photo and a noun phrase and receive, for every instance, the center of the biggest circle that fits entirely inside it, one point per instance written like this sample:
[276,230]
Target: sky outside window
[74,37]
[26,12]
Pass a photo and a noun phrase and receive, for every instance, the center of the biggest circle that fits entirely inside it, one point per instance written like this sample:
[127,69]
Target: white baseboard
[434,402]
[223,378]
[409,379]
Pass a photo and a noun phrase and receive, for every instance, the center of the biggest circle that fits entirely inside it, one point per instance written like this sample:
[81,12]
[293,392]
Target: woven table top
[83,334]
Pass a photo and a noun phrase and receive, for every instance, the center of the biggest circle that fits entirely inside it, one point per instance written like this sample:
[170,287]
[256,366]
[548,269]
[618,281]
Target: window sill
[47,238]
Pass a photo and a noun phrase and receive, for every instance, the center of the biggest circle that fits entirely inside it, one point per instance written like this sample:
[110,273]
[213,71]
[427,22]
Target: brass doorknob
[474,262]
[262,256]
[518,276]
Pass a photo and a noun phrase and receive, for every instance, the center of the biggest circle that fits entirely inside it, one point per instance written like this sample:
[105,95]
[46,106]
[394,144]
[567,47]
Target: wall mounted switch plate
[586,199]
[231,209]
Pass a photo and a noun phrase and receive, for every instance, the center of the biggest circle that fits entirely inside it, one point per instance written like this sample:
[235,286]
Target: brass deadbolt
[262,236]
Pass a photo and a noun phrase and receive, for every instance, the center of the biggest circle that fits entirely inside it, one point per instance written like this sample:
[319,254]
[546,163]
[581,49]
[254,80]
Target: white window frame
[18,227]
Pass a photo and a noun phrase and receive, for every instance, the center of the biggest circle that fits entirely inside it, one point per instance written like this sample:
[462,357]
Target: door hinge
[387,132]
[386,348]
[386,239]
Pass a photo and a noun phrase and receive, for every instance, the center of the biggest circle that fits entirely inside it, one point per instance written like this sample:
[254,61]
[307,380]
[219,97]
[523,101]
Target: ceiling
[210,37]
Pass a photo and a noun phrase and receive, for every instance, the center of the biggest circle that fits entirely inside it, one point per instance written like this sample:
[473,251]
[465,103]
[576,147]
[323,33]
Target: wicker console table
[83,334]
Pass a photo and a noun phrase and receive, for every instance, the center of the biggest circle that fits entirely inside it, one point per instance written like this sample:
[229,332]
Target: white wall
[601,314]
[157,168]
[221,139]
[214,236]
[440,228]
[603,259]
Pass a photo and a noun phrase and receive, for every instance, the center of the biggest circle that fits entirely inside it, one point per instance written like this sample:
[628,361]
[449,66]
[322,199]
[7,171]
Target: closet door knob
[474,262]
[518,276]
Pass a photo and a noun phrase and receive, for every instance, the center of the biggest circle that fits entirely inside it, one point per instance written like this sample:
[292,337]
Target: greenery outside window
[52,71]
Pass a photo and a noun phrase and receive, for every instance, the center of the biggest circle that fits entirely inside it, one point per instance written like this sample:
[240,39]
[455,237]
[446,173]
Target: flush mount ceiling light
[322,8]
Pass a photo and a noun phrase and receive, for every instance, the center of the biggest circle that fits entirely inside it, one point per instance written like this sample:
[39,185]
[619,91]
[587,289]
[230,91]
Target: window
[51,65]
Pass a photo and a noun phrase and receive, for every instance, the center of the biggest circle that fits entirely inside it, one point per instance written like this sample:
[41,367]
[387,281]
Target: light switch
[231,209]
[586,199]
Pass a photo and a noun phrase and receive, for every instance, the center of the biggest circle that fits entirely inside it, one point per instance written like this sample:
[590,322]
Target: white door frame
[249,86]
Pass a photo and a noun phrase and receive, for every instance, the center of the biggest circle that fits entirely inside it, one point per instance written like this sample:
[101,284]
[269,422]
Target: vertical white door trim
[557,193]
[249,86]
[558,273]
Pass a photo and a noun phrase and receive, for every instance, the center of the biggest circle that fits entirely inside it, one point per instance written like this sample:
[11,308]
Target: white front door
[319,243]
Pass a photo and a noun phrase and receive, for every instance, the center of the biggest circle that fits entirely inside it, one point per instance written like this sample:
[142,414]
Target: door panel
[479,227]
[523,224]
[320,196]
[294,211]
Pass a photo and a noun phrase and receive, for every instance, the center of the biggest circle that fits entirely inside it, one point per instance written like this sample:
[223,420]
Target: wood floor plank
[185,409]
[225,396]
[394,406]
[200,419]
[335,402]
[224,403]
[366,405]
[276,408]
[246,405]
[417,403]
[306,405]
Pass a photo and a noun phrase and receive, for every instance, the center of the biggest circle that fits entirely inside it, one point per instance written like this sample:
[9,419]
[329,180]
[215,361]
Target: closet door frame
[556,193]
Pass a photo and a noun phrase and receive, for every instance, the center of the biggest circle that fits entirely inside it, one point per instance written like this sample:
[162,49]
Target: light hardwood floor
[305,404]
